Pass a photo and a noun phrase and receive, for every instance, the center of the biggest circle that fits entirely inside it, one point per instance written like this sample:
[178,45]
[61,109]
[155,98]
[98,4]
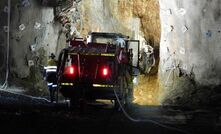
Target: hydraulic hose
[147,120]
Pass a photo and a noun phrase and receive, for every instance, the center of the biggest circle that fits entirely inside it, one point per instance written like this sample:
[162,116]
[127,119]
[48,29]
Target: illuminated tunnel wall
[190,69]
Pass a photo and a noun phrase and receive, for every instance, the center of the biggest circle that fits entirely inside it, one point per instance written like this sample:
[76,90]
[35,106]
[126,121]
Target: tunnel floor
[25,114]
[146,92]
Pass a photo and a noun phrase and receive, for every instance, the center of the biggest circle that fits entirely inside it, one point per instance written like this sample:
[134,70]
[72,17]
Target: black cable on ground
[147,120]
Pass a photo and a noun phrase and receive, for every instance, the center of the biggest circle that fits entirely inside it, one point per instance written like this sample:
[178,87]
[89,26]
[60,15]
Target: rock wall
[148,12]
[101,15]
[190,51]
[3,40]
[138,19]
[33,36]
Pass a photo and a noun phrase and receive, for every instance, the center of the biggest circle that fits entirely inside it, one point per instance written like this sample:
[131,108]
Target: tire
[123,103]
[130,95]
[122,95]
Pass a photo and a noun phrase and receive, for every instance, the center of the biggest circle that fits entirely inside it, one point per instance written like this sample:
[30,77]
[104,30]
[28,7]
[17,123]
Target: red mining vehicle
[99,68]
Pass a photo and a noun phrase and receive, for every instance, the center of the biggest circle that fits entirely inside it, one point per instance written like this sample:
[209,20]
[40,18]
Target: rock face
[148,12]
[33,36]
[38,32]
[3,41]
[138,19]
[105,16]
[190,51]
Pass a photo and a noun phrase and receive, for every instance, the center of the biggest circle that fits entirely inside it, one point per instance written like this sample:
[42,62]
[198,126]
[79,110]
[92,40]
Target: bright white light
[135,81]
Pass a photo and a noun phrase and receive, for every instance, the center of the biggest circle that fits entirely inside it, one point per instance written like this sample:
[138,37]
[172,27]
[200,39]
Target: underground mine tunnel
[117,66]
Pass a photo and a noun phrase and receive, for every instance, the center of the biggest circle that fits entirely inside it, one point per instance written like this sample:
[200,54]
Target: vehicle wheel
[129,95]
[122,95]
[124,99]
[123,102]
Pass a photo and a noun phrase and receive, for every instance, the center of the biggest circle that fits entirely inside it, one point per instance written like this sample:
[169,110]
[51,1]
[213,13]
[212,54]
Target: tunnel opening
[141,21]
[117,16]
[146,91]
